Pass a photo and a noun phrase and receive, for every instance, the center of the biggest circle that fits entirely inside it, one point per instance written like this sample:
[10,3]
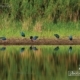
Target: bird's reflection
[2,48]
[33,48]
[22,49]
[70,49]
[56,48]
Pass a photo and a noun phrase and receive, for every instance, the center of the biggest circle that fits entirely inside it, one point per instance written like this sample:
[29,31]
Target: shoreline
[40,42]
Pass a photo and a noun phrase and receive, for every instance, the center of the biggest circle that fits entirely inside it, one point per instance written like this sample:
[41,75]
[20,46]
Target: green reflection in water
[46,63]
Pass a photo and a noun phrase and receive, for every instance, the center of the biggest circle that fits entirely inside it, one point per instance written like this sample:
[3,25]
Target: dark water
[39,62]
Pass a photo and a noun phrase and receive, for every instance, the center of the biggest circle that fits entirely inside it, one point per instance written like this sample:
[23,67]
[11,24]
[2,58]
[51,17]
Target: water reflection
[56,48]
[33,48]
[2,48]
[22,49]
[70,49]
[43,64]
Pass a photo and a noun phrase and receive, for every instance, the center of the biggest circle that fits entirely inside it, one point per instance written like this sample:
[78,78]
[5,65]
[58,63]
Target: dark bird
[56,35]
[3,38]
[56,48]
[22,34]
[3,48]
[70,49]
[33,38]
[70,38]
[33,48]
[22,49]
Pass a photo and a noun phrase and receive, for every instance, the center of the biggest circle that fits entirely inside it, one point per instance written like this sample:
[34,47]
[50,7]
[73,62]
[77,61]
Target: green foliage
[55,10]
[13,29]
[38,16]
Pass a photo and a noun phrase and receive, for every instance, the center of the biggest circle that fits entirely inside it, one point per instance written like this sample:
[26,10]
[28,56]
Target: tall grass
[35,17]
[59,10]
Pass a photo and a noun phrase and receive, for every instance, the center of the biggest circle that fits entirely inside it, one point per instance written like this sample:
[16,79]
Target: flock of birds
[57,36]
[32,38]
[36,37]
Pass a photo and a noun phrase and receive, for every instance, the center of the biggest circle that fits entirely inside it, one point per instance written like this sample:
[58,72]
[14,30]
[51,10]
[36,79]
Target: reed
[55,11]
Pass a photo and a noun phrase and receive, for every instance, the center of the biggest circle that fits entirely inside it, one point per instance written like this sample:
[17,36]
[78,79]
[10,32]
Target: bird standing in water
[3,38]
[57,36]
[70,38]
[33,38]
[22,34]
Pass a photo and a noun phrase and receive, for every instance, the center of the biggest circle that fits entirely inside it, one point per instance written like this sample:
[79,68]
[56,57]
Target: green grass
[48,30]
[45,19]
[59,10]
[34,23]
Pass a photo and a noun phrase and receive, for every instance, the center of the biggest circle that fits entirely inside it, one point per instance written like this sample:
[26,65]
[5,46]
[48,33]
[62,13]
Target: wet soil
[26,41]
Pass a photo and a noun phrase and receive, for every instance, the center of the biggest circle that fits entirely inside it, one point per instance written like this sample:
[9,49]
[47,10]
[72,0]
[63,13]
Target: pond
[39,62]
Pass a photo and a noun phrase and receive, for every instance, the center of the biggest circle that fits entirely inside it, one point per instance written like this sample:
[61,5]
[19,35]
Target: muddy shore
[40,42]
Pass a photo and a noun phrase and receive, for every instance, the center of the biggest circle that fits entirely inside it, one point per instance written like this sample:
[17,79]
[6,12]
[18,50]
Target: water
[39,62]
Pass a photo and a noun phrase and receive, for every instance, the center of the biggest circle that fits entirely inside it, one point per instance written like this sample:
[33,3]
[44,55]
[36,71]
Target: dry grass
[38,53]
[38,26]
[25,54]
[26,24]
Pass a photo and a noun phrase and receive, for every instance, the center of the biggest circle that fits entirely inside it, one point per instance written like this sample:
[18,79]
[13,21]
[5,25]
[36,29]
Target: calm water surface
[39,62]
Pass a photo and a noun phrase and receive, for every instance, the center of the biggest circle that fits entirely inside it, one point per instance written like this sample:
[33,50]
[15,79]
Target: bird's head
[31,37]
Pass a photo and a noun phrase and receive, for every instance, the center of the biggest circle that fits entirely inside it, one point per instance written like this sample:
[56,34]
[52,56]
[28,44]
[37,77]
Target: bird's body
[3,38]
[57,36]
[22,34]
[33,38]
[70,38]
[56,48]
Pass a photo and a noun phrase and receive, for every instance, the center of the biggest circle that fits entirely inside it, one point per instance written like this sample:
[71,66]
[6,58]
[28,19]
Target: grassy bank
[42,29]
[44,19]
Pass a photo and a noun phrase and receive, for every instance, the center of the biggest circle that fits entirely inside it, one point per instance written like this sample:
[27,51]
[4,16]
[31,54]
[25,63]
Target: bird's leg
[32,40]
[22,37]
